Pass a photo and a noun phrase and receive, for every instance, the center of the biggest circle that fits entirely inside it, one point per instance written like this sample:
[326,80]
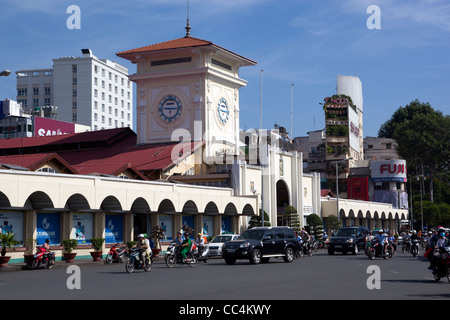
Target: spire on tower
[188,27]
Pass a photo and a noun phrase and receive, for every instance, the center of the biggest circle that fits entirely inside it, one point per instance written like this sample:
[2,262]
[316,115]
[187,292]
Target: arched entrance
[282,200]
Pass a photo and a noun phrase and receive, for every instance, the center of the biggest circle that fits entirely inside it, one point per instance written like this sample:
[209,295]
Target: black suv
[348,239]
[262,243]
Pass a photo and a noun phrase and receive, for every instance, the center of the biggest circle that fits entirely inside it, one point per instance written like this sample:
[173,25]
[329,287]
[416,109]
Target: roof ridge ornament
[188,27]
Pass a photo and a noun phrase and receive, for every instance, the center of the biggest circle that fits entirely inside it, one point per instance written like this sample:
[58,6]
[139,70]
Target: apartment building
[87,90]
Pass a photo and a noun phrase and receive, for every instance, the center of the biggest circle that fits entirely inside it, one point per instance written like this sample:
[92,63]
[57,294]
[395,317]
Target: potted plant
[69,245]
[97,243]
[7,239]
[158,233]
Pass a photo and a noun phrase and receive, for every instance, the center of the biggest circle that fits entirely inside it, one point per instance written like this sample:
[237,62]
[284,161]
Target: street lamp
[337,184]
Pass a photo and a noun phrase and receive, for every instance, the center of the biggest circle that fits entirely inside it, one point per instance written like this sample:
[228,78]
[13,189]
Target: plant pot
[156,252]
[4,261]
[69,256]
[96,255]
[28,258]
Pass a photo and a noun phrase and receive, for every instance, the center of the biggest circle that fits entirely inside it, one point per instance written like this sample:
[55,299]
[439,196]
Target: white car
[216,244]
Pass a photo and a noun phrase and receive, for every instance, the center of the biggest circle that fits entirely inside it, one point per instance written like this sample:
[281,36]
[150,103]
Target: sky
[301,46]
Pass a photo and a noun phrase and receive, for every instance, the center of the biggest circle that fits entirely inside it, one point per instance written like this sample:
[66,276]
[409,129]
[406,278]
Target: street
[320,277]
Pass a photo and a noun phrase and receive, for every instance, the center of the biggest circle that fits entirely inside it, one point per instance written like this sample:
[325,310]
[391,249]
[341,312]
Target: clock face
[223,111]
[170,108]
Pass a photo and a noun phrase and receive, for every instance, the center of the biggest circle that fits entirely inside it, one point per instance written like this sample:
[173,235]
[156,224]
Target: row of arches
[39,200]
[375,215]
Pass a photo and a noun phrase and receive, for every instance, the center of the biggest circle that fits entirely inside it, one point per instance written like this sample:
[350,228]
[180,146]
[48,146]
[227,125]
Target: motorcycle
[203,253]
[306,248]
[442,268]
[42,258]
[377,249]
[173,256]
[414,248]
[115,255]
[406,245]
[135,263]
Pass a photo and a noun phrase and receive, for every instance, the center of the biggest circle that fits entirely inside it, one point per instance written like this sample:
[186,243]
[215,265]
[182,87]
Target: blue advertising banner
[48,227]
[113,228]
[226,224]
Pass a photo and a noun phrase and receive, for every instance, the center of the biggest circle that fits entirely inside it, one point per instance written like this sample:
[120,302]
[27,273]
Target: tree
[423,137]
[255,221]
[316,224]
[291,218]
[332,223]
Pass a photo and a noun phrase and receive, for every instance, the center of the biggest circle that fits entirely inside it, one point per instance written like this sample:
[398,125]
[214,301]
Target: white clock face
[170,108]
[223,111]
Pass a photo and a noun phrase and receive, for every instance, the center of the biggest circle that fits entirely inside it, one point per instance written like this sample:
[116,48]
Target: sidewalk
[63,264]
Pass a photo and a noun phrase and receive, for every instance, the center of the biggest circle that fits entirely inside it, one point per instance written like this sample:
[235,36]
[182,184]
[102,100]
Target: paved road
[341,277]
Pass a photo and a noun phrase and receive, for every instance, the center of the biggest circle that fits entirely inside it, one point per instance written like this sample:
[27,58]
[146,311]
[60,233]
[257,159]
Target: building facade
[86,90]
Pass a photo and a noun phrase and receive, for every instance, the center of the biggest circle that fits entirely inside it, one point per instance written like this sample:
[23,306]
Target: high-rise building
[87,90]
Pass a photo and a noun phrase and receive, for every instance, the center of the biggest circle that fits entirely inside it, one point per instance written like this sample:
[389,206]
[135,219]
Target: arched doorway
[282,200]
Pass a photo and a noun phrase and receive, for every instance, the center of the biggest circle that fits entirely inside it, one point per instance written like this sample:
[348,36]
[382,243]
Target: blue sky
[305,43]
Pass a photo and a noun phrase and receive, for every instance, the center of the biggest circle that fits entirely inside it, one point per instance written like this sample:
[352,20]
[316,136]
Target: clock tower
[188,88]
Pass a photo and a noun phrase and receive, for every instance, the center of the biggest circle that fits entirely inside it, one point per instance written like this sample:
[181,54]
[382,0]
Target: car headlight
[244,245]
[350,240]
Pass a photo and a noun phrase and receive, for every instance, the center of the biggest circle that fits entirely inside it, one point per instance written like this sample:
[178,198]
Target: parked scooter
[42,258]
[115,255]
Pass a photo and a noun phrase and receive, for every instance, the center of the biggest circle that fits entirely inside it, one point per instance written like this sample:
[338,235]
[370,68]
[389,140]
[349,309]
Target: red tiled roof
[34,161]
[103,152]
[105,136]
[186,42]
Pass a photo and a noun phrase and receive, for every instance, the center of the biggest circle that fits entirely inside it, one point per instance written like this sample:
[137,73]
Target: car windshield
[253,234]
[346,233]
[221,239]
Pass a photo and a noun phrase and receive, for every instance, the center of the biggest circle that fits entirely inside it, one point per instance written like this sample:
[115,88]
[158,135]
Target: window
[36,91]
[74,68]
[35,102]
[46,101]
[388,145]
[74,81]
[46,169]
[74,92]
[46,90]
[22,91]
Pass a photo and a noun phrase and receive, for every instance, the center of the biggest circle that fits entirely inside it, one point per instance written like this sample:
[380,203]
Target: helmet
[380,231]
[414,231]
[141,235]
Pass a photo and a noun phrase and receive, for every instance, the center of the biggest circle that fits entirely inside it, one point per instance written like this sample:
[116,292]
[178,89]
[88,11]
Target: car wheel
[289,255]
[330,251]
[255,257]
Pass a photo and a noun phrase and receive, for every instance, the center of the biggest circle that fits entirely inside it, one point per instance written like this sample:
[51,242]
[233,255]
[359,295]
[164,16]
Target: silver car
[216,244]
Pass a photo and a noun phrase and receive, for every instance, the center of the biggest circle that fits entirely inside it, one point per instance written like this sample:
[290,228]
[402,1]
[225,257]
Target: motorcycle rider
[46,246]
[200,243]
[437,241]
[185,247]
[381,239]
[144,248]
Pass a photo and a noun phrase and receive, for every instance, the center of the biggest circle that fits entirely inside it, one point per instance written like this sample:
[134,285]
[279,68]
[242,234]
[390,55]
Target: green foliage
[97,243]
[255,221]
[332,223]
[291,218]
[70,244]
[315,222]
[7,239]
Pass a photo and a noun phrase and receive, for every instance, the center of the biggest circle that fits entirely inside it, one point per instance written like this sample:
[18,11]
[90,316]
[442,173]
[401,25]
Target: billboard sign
[388,171]
[51,127]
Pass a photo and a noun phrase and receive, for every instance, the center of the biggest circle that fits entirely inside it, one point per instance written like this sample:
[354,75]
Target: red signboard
[358,188]
[50,127]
